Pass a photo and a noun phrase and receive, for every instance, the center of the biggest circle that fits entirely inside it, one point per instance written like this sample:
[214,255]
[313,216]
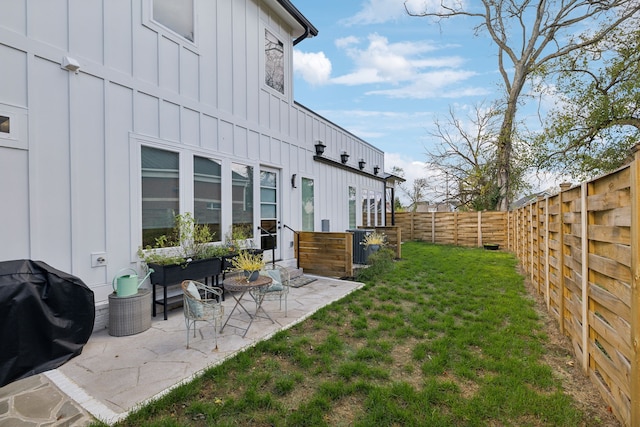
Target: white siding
[71,176]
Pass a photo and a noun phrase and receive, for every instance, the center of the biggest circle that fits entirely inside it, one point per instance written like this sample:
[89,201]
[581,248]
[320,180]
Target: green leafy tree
[529,34]
[597,119]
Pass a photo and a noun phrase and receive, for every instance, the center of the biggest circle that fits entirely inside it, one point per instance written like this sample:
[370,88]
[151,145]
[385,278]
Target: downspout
[303,36]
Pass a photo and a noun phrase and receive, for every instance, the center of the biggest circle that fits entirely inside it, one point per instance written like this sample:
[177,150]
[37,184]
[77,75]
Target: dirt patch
[561,358]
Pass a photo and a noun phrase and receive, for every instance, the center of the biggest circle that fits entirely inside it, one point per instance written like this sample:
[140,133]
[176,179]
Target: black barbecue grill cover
[46,317]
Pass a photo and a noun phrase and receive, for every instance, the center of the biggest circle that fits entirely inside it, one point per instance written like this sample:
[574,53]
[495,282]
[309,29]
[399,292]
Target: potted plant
[372,242]
[187,253]
[250,263]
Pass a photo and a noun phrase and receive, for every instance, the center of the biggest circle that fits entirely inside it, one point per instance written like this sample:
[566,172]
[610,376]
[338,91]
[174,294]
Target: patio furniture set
[203,302]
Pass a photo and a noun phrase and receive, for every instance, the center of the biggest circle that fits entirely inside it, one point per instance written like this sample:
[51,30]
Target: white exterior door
[270,213]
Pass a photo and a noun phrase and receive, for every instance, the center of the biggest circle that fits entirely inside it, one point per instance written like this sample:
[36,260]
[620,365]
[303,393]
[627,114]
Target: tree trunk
[505,139]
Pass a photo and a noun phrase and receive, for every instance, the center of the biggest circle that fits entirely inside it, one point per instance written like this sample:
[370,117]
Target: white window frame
[149,22]
[17,127]
[263,65]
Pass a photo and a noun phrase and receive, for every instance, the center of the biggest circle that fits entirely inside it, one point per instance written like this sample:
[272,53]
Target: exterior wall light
[344,157]
[319,148]
[376,169]
[361,164]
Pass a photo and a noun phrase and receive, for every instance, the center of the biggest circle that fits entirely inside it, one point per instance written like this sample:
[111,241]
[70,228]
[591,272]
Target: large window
[307,205]
[176,15]
[160,193]
[273,62]
[352,207]
[207,194]
[242,198]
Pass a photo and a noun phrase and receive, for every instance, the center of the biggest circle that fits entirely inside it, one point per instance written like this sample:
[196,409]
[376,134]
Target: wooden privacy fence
[331,254]
[581,250]
[454,228]
[325,253]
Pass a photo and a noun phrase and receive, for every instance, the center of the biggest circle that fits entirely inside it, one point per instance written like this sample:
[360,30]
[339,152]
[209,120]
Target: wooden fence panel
[609,281]
[326,254]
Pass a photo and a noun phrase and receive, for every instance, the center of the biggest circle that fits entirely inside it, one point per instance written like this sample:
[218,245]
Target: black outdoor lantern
[376,169]
[320,148]
[344,157]
[361,164]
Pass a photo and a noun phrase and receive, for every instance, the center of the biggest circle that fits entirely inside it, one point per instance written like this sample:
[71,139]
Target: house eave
[302,27]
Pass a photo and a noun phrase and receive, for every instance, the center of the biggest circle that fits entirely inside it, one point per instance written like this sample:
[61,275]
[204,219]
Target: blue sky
[386,76]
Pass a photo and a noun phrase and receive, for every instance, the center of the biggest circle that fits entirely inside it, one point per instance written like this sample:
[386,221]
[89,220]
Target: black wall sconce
[361,164]
[319,148]
[344,157]
[293,181]
[376,169]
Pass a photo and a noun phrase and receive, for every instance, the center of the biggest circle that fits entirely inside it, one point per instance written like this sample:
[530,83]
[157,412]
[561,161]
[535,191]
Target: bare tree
[416,193]
[466,158]
[528,34]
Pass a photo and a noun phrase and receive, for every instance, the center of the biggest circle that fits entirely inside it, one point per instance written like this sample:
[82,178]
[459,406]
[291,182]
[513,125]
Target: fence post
[584,225]
[531,245]
[433,227]
[479,228]
[546,252]
[563,187]
[635,291]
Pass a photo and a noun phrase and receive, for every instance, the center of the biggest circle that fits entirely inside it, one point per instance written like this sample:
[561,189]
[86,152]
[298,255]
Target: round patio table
[239,286]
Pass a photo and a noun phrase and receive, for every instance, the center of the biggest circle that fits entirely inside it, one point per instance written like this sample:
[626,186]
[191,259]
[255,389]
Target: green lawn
[445,337]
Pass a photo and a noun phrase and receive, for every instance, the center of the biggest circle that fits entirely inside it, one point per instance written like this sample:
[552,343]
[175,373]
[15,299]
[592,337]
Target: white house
[116,113]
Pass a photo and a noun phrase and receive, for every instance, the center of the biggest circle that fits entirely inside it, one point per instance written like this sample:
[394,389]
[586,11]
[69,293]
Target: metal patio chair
[279,288]
[202,303]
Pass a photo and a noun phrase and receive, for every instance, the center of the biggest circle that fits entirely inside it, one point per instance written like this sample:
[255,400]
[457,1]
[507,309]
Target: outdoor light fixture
[320,148]
[344,157]
[361,164]
[376,169]
[293,181]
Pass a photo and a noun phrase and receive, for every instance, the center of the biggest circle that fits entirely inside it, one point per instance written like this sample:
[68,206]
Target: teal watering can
[125,285]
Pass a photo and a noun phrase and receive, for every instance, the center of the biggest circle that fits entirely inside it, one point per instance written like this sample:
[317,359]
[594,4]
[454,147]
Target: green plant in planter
[238,237]
[249,263]
[188,241]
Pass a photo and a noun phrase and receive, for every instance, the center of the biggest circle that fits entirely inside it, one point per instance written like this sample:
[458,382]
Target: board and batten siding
[69,170]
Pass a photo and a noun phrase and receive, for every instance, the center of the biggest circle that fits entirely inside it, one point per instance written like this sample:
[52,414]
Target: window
[207,193]
[268,210]
[160,193]
[242,198]
[379,210]
[307,205]
[176,15]
[5,124]
[273,62]
[352,207]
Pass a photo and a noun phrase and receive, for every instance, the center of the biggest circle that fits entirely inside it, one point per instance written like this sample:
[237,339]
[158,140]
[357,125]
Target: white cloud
[314,67]
[435,84]
[404,66]
[413,169]
[380,11]
[346,42]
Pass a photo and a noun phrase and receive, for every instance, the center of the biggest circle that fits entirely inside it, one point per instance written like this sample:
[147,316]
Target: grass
[445,337]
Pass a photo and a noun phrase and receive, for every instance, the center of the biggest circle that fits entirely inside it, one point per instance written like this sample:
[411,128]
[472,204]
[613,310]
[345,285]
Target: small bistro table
[240,284]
